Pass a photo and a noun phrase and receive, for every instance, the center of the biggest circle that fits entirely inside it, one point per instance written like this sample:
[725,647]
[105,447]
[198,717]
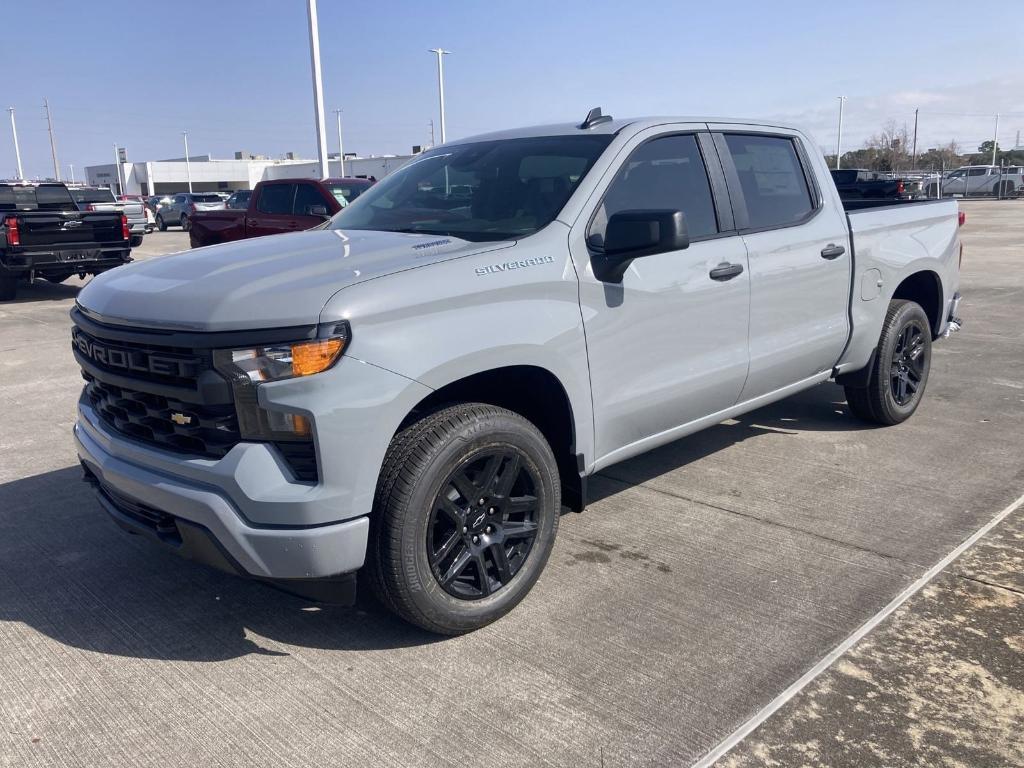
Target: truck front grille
[169,397]
[202,430]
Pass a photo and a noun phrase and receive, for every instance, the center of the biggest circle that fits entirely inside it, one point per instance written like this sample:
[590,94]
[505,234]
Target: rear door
[272,213]
[667,345]
[798,251]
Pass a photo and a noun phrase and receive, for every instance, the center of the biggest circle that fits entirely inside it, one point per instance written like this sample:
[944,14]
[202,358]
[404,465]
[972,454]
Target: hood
[267,282]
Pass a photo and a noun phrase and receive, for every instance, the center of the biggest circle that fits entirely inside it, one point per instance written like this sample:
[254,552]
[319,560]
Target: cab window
[666,173]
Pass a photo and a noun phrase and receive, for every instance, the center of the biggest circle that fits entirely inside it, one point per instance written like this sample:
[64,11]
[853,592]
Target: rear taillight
[192,207]
[900,188]
[961,219]
[90,207]
[13,235]
[125,232]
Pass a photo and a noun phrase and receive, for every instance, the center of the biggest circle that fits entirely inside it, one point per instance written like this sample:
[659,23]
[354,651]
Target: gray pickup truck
[418,386]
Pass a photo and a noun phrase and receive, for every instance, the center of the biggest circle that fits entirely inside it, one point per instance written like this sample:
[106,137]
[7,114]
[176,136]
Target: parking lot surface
[703,579]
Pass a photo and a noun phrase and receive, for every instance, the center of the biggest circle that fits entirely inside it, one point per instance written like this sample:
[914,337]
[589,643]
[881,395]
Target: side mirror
[632,234]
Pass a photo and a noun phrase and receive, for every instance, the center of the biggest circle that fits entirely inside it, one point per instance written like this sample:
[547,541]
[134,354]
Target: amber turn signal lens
[314,356]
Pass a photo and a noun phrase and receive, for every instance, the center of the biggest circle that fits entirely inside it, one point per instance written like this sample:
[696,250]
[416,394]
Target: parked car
[858,183]
[281,205]
[156,202]
[150,217]
[238,201]
[102,199]
[417,387]
[977,180]
[183,207]
[44,233]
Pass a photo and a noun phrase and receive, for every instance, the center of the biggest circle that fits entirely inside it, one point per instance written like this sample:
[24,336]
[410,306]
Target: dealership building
[208,174]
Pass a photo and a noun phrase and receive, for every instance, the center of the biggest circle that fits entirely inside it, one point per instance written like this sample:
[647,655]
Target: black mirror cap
[632,234]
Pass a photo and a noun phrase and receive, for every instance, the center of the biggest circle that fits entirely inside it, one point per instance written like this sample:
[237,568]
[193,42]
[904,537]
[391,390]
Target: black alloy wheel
[483,523]
[909,363]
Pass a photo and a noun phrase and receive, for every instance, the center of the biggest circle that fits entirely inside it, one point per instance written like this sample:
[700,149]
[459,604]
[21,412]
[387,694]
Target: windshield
[346,193]
[488,190]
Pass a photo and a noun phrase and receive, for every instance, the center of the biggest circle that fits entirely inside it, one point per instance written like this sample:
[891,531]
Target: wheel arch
[925,288]
[536,394]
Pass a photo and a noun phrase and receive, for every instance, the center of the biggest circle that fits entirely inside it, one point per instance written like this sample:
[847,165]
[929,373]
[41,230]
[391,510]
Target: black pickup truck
[858,184]
[43,234]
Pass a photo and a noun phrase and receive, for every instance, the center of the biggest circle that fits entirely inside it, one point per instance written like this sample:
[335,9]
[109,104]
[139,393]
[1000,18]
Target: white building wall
[142,178]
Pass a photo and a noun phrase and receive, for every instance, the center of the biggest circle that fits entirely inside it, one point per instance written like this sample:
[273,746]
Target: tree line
[891,149]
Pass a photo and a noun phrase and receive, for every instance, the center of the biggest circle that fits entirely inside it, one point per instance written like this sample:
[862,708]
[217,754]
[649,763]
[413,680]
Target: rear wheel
[465,517]
[900,370]
[136,241]
[185,224]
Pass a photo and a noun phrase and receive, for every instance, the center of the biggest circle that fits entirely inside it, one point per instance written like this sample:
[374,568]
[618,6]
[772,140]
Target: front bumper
[202,522]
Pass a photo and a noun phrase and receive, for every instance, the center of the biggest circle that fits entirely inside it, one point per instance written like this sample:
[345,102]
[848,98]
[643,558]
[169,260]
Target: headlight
[249,367]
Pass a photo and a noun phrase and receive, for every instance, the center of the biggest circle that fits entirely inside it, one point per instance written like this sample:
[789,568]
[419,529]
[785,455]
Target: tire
[185,226]
[440,559]
[1006,189]
[8,287]
[900,370]
[160,223]
[136,241]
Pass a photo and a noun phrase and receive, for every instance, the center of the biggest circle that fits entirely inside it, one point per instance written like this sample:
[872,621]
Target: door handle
[725,271]
[832,251]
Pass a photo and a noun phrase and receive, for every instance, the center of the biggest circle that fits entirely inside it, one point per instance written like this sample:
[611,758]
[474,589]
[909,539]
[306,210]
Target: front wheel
[185,225]
[464,517]
[900,369]
[161,224]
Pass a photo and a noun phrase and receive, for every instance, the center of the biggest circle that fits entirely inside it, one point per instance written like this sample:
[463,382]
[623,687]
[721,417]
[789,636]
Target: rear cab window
[308,197]
[772,179]
[36,198]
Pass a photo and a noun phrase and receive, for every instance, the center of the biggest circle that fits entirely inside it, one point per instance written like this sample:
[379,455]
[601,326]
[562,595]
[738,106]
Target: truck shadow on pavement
[67,572]
[820,409]
[41,290]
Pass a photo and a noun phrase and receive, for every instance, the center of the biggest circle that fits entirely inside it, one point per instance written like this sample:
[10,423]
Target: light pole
[995,140]
[839,136]
[441,53]
[53,142]
[117,168]
[71,167]
[188,165]
[17,150]
[341,145]
[913,162]
[318,88]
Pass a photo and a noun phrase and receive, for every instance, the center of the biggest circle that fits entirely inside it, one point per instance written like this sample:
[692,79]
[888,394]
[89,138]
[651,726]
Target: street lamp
[839,136]
[441,53]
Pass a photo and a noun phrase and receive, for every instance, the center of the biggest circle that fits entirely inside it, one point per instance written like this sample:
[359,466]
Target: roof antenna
[594,117]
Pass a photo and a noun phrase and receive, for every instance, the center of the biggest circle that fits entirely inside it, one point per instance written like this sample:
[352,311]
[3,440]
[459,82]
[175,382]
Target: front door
[798,250]
[667,345]
[273,212]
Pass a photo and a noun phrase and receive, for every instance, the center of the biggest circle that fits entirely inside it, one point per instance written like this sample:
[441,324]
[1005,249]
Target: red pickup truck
[280,205]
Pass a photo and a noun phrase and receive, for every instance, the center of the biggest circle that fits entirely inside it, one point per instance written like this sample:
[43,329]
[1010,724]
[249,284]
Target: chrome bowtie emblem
[181,419]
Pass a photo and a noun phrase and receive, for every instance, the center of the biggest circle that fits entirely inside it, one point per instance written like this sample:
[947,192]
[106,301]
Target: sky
[236,73]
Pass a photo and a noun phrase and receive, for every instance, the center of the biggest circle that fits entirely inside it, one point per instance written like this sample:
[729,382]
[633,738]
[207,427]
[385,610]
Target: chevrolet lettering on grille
[138,360]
